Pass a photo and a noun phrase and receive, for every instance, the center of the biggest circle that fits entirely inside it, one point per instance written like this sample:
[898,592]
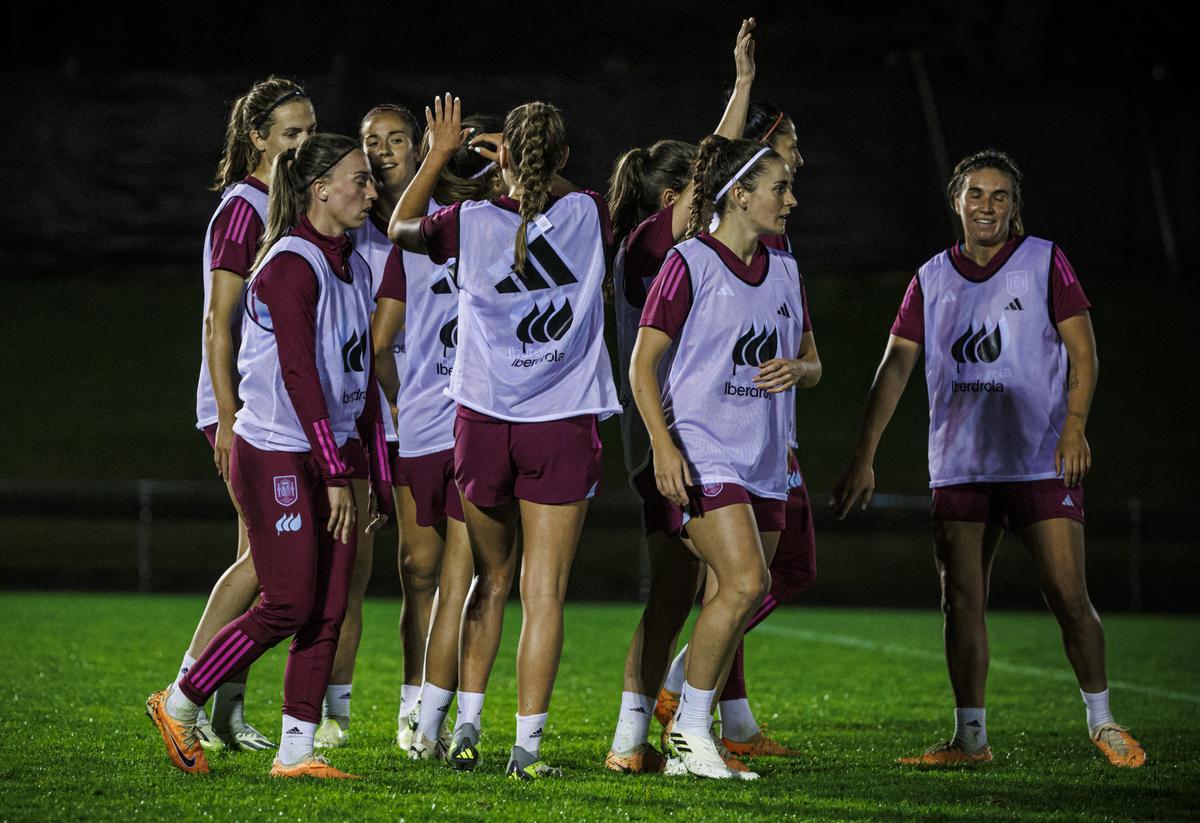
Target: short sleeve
[440,233]
[670,299]
[808,327]
[1066,294]
[910,319]
[234,237]
[394,283]
[606,228]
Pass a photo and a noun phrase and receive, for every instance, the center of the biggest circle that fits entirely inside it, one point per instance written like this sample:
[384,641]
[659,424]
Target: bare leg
[441,657]
[420,556]
[492,533]
[1057,548]
[551,534]
[351,635]
[963,555]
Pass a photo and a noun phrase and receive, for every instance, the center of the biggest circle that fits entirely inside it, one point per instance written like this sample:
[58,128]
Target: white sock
[409,697]
[970,729]
[529,732]
[470,707]
[1098,712]
[337,703]
[633,721]
[229,700]
[188,662]
[296,741]
[676,674]
[695,709]
[435,703]
[737,721]
[180,708]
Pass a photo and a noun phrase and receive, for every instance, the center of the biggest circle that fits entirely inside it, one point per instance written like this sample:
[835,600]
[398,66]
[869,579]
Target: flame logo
[448,335]
[352,352]
[288,522]
[543,326]
[755,348]
[979,346]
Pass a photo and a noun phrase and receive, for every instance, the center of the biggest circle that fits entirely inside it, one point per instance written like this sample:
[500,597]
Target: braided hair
[990,159]
[253,111]
[717,160]
[537,142]
[291,182]
[639,178]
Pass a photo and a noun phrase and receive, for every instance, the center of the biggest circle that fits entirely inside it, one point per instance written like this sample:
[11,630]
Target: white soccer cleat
[697,754]
[407,727]
[330,735]
[422,748]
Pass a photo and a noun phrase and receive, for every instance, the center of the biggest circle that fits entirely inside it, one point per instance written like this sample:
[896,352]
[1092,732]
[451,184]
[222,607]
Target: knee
[962,601]
[542,593]
[1071,608]
[418,575]
[284,618]
[747,589]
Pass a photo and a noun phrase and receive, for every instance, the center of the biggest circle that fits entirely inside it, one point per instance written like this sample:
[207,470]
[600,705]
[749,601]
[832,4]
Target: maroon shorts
[1011,505]
[551,462]
[430,478]
[769,514]
[655,507]
[398,477]
[210,434]
[352,452]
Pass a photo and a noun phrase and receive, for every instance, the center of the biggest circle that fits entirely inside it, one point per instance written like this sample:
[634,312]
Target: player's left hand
[487,145]
[779,374]
[375,519]
[1072,457]
[444,124]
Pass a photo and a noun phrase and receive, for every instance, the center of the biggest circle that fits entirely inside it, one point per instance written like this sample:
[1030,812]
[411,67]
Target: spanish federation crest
[285,490]
[1018,283]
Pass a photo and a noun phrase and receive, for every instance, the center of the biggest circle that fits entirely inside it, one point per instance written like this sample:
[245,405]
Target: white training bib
[531,345]
[267,419]
[206,402]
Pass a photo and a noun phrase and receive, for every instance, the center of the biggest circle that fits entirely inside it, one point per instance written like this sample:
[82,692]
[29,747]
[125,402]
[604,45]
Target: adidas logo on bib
[724,291]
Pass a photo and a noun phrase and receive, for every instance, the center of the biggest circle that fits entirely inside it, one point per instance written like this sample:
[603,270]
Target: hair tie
[262,118]
[483,171]
[325,170]
[740,172]
[771,130]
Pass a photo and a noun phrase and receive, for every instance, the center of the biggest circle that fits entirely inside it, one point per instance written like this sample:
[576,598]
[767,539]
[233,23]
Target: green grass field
[852,689]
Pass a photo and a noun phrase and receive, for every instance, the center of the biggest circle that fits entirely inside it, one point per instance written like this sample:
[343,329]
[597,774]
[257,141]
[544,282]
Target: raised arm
[1073,456]
[892,376]
[733,120]
[444,124]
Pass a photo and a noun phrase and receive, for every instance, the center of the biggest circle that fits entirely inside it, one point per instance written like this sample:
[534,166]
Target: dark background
[113,122]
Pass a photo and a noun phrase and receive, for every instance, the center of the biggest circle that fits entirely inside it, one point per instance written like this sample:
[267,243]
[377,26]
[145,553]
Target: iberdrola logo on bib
[755,348]
[542,325]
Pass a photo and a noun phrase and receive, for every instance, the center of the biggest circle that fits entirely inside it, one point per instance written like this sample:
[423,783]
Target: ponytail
[717,161]
[292,176]
[536,139]
[639,179]
[254,110]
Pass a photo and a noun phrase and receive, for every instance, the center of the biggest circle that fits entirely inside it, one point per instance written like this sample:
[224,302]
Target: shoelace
[1116,741]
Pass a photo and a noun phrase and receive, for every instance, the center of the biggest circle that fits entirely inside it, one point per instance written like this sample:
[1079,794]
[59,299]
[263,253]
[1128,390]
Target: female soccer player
[436,551]
[719,437]
[794,566]
[274,116]
[307,392]
[531,378]
[1010,363]
[389,135]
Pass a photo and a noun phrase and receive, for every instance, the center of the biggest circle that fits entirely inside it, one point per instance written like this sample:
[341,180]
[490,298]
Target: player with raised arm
[1010,366]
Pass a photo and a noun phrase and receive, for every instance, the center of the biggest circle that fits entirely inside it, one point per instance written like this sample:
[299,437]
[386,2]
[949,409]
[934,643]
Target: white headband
[740,172]
[482,171]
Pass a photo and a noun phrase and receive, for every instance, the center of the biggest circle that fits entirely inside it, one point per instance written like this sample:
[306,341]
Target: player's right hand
[743,51]
[671,473]
[857,482]
[341,512]
[223,447]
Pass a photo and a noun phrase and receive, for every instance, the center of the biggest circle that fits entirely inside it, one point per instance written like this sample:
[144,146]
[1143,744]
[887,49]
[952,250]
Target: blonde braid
[536,140]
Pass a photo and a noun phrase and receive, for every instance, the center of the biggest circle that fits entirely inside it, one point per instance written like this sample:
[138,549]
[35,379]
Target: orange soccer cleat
[311,766]
[645,759]
[760,745]
[1118,745]
[183,744]
[948,754]
[665,707]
